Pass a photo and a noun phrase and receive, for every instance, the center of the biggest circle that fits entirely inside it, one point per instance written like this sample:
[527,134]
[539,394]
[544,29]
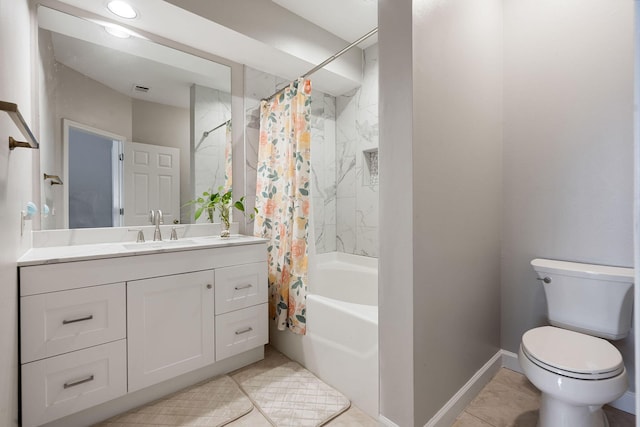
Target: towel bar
[14,113]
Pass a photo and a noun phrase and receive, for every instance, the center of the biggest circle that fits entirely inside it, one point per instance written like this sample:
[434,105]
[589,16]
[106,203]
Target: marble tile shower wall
[210,108]
[259,85]
[344,192]
[357,181]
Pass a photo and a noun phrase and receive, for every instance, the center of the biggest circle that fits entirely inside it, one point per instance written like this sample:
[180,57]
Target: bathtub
[341,344]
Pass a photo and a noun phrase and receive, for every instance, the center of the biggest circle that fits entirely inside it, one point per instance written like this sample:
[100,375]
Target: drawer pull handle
[244,331]
[237,288]
[79,319]
[78,382]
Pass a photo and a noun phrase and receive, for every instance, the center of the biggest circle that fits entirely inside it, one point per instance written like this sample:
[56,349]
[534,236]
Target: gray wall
[568,138]
[441,166]
[17,170]
[457,175]
[395,291]
[553,180]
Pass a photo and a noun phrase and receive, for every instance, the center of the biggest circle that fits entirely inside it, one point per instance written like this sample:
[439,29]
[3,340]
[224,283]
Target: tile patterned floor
[510,400]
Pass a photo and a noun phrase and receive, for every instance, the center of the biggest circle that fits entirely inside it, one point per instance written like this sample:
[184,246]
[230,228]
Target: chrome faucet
[156,219]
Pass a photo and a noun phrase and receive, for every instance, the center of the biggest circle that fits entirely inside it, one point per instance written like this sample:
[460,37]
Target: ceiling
[123,64]
[347,19]
[281,37]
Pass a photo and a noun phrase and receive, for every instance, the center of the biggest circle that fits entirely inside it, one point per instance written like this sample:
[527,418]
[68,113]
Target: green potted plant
[221,201]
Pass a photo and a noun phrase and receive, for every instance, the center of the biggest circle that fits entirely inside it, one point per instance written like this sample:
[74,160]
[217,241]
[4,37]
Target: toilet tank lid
[594,271]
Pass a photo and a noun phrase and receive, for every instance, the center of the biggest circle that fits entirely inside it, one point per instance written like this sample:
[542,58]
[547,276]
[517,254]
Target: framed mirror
[130,125]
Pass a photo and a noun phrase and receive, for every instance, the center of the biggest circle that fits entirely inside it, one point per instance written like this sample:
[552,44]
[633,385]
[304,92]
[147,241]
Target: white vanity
[113,322]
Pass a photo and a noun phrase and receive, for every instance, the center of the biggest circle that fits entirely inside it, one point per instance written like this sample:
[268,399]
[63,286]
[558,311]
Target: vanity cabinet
[169,326]
[94,330]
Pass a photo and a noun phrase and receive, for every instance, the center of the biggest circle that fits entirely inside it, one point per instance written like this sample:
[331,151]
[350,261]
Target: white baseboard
[510,361]
[626,403]
[386,422]
[446,416]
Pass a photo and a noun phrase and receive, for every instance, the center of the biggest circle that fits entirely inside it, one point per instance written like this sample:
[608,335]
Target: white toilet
[577,372]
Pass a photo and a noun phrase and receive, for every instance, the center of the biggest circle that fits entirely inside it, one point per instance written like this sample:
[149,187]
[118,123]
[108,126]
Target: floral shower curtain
[282,200]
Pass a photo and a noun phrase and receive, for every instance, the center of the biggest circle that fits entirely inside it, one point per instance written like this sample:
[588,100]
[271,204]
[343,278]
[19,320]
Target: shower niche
[370,170]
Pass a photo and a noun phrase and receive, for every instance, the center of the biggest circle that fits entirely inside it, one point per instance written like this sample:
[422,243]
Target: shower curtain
[283,201]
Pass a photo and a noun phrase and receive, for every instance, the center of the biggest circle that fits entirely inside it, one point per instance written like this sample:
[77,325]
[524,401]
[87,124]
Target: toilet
[571,362]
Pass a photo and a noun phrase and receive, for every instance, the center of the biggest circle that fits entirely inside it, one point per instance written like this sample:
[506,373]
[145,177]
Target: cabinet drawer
[240,286]
[241,330]
[58,386]
[60,322]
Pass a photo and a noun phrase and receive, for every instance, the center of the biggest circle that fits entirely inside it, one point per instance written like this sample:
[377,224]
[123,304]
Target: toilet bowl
[572,364]
[576,374]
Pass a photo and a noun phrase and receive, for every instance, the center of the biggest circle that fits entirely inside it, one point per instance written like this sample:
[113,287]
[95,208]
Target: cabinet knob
[209,286]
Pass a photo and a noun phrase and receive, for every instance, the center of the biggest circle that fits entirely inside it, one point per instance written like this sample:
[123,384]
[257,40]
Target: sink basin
[158,245]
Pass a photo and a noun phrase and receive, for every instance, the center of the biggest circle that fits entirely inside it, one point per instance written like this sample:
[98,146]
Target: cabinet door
[169,326]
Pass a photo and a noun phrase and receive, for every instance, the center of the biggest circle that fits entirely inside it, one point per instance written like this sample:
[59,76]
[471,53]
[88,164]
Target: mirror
[128,125]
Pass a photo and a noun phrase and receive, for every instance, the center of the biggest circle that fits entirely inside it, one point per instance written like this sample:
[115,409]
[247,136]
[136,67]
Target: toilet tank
[593,299]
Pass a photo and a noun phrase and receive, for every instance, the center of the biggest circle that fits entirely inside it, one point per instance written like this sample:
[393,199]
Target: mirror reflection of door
[151,181]
[112,182]
[93,173]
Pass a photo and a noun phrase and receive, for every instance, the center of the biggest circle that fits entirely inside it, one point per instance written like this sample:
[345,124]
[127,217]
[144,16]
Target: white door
[169,326]
[151,181]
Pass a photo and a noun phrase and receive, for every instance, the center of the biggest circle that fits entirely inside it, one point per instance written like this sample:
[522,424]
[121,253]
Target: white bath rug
[291,396]
[213,403]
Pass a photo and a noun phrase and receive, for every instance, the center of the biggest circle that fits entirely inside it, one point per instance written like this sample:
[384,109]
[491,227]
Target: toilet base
[555,413]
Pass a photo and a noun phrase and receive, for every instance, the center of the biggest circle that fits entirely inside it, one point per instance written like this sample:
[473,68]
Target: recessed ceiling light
[122,9]
[117,31]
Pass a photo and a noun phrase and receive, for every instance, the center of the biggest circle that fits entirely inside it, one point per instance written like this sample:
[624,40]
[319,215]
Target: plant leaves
[199,212]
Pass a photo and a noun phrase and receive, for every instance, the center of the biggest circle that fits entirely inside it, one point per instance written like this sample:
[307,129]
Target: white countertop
[59,254]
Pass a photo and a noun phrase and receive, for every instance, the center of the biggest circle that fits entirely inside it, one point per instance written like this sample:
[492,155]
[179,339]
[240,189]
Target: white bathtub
[341,344]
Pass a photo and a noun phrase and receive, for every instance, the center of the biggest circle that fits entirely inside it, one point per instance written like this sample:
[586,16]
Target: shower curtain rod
[207,132]
[329,60]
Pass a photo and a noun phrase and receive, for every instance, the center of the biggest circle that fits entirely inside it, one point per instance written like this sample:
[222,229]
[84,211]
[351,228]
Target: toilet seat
[572,354]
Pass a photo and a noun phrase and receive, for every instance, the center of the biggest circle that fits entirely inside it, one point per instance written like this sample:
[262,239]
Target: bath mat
[212,403]
[290,396]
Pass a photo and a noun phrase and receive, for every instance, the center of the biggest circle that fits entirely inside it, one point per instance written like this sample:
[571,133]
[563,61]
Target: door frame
[117,165]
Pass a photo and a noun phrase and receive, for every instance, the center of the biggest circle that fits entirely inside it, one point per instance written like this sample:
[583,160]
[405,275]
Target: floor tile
[510,400]
[516,381]
[353,417]
[618,418]
[467,420]
[500,404]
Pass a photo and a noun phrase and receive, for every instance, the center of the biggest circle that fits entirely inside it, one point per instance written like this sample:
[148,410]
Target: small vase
[225,233]
[225,223]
